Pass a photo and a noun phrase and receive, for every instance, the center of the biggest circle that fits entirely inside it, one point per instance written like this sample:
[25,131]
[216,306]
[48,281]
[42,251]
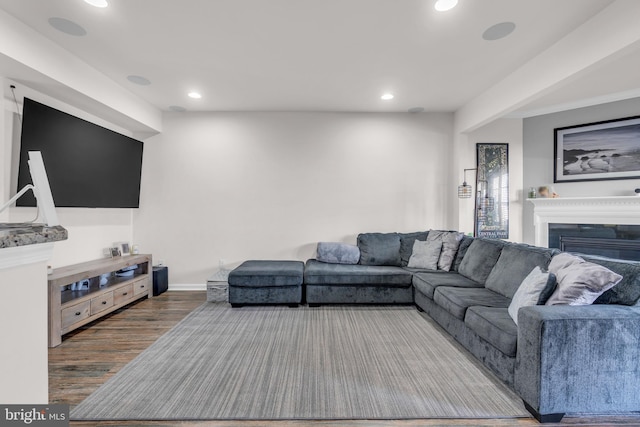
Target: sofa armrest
[579,359]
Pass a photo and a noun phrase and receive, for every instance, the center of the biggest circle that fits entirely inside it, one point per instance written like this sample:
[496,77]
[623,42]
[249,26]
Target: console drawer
[75,313]
[101,303]
[141,286]
[123,294]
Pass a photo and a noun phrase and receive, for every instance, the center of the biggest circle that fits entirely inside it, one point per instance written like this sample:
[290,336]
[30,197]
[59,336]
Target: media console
[70,308]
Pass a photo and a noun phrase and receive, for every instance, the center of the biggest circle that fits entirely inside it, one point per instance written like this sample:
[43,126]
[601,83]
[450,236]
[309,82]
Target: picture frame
[492,191]
[600,151]
[115,251]
[125,249]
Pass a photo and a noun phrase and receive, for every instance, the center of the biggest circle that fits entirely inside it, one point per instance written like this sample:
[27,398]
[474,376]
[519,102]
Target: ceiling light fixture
[97,3]
[387,97]
[444,5]
[194,95]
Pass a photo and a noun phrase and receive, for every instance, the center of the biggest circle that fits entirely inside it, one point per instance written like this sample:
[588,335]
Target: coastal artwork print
[598,151]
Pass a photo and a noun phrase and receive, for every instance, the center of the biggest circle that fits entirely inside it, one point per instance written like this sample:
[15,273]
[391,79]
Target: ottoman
[266,282]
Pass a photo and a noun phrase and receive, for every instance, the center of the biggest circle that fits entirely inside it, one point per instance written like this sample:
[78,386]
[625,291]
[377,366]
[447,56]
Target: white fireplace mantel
[583,210]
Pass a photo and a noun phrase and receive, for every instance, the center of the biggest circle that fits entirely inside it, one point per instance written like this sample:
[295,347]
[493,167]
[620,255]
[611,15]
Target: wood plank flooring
[90,355]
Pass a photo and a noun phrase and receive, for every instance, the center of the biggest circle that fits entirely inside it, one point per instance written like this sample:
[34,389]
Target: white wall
[237,186]
[539,154]
[90,230]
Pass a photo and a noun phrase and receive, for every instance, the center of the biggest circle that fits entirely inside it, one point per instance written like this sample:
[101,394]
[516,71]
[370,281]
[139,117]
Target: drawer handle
[142,286]
[125,293]
[78,313]
[104,303]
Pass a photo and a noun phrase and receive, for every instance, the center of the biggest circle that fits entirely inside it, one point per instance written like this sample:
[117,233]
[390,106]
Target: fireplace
[607,226]
[614,241]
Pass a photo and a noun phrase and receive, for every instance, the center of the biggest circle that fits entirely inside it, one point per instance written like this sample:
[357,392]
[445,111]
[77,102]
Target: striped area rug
[272,363]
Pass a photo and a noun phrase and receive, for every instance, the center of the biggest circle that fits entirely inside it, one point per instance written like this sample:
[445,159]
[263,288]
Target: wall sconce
[465,190]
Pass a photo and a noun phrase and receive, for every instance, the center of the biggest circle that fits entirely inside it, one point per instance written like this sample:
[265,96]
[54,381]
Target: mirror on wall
[492,191]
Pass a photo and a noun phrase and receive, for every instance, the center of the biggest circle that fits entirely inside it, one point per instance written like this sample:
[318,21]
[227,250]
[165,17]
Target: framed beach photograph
[598,151]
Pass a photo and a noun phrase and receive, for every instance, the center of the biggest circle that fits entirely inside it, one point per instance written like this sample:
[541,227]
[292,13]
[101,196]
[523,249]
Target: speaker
[160,280]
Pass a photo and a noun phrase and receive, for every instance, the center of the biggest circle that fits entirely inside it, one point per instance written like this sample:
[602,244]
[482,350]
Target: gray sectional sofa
[559,359]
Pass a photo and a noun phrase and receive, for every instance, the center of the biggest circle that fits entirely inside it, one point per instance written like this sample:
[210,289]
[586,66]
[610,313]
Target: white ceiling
[314,55]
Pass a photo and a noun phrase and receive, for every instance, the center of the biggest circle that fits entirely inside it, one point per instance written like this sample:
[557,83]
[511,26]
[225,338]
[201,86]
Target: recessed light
[194,95]
[416,110]
[387,97]
[98,3]
[499,31]
[139,80]
[177,109]
[67,27]
[444,5]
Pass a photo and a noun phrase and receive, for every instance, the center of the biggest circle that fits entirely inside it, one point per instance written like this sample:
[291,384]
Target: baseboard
[187,287]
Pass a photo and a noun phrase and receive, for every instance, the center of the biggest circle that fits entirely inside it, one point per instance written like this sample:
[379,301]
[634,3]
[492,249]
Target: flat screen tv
[88,165]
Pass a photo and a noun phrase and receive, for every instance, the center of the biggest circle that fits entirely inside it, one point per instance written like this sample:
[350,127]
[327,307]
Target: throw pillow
[450,242]
[579,282]
[406,244]
[338,253]
[535,289]
[379,249]
[425,255]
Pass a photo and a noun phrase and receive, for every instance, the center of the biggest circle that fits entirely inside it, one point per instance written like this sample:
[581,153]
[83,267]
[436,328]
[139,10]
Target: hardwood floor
[92,354]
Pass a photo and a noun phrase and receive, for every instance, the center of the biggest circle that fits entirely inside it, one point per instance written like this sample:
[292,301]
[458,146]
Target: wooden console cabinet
[69,309]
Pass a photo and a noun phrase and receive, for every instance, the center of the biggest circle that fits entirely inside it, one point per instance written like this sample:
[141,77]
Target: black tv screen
[88,166]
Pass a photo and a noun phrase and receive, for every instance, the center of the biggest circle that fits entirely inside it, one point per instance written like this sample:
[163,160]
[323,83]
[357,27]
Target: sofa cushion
[450,242]
[535,289]
[462,250]
[495,326]
[258,274]
[427,282]
[406,244]
[480,259]
[457,300]
[425,255]
[319,273]
[579,282]
[379,249]
[627,292]
[514,265]
[338,253]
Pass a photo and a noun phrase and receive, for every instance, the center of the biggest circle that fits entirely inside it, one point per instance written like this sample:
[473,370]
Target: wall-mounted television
[88,165]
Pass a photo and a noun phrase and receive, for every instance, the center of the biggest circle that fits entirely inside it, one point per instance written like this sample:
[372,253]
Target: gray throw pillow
[425,255]
[338,253]
[535,289]
[579,282]
[379,249]
[450,242]
[406,244]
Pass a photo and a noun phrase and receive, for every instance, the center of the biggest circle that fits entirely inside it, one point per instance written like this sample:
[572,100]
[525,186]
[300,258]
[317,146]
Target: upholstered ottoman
[266,282]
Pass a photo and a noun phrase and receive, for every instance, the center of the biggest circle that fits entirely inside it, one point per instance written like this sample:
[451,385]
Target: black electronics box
[160,280]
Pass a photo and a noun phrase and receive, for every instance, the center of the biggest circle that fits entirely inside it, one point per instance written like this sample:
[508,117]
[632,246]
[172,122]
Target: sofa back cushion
[379,249]
[627,292]
[462,250]
[480,258]
[514,265]
[406,244]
